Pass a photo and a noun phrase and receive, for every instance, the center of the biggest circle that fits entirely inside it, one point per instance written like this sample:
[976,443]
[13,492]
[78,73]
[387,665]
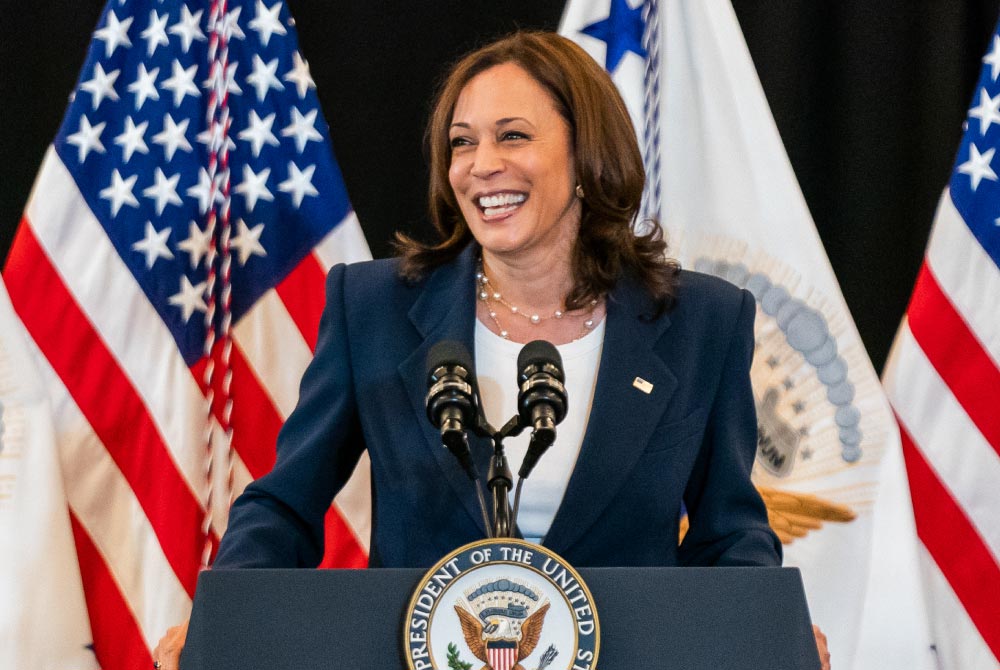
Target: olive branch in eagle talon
[476,637]
[454,661]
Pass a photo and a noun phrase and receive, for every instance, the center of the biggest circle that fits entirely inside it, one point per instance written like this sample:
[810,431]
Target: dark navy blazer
[692,438]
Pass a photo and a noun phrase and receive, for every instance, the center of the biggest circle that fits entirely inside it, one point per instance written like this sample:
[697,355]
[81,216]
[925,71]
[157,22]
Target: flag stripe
[279,368]
[254,420]
[117,642]
[344,244]
[108,401]
[354,502]
[954,544]
[956,354]
[342,550]
[302,293]
[254,417]
[965,274]
[948,439]
[958,643]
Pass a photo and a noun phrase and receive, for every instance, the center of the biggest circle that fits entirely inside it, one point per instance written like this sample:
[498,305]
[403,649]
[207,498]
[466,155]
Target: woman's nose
[487,160]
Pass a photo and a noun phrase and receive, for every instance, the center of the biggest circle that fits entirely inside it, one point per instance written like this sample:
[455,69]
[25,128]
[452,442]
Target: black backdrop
[869,98]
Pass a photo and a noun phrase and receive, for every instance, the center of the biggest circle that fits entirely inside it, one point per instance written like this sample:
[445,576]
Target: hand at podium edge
[168,649]
[824,652]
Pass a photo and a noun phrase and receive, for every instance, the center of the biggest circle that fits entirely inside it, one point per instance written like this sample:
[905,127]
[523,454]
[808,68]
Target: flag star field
[136,139]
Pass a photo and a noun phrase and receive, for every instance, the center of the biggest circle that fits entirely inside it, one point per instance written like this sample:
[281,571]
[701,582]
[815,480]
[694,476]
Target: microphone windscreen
[540,352]
[448,352]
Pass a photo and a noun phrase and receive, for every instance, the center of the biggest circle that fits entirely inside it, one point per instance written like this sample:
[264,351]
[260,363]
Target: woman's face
[512,165]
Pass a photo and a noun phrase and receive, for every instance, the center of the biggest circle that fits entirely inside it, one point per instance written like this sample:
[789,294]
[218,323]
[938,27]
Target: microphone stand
[500,482]
[499,479]
[458,444]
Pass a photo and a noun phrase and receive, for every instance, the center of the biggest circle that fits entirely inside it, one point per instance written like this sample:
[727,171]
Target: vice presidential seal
[501,604]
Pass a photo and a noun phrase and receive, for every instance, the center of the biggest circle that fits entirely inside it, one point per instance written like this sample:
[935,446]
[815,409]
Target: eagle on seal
[480,638]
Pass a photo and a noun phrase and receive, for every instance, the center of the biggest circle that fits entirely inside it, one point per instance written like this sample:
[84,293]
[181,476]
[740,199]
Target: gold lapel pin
[643,385]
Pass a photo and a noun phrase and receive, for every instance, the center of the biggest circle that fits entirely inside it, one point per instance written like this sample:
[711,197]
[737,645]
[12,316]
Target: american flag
[170,269]
[943,379]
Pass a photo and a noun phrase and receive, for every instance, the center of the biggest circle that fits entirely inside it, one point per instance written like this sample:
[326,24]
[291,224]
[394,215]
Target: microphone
[451,398]
[541,401]
[452,405]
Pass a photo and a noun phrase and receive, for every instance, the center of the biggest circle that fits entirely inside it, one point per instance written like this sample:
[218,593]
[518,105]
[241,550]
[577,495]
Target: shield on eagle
[501,654]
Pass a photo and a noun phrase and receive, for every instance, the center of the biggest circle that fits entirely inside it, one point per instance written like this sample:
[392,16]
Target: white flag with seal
[719,181]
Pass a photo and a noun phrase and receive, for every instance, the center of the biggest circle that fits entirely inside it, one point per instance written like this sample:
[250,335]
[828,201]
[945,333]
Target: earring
[579,191]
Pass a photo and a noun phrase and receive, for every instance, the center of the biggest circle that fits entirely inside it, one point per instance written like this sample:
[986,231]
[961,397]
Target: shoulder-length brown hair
[608,166]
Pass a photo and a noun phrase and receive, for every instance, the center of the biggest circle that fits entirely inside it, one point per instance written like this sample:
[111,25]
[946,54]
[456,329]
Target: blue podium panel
[650,618]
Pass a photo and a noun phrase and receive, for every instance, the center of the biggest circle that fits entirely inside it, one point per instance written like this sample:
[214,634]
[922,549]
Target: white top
[496,373]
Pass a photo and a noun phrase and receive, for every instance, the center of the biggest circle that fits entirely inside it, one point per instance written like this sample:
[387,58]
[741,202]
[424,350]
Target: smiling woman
[536,180]
[536,186]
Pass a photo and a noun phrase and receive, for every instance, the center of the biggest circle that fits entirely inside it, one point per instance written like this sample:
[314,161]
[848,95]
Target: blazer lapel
[445,310]
[622,417]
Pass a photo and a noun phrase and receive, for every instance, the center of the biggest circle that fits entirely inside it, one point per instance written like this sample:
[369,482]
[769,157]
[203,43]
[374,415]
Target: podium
[650,618]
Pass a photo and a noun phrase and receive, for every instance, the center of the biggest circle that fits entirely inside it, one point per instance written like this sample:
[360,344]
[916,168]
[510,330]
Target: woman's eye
[514,135]
[456,142]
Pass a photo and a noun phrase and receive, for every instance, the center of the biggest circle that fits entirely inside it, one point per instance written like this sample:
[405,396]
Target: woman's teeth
[501,200]
[503,203]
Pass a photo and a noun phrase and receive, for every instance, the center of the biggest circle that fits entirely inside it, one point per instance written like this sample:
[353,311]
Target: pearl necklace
[490,293]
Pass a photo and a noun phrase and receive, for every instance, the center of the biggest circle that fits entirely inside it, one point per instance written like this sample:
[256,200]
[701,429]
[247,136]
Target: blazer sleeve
[278,521]
[728,519]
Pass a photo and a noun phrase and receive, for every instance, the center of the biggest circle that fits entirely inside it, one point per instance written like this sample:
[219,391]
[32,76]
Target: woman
[536,180]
